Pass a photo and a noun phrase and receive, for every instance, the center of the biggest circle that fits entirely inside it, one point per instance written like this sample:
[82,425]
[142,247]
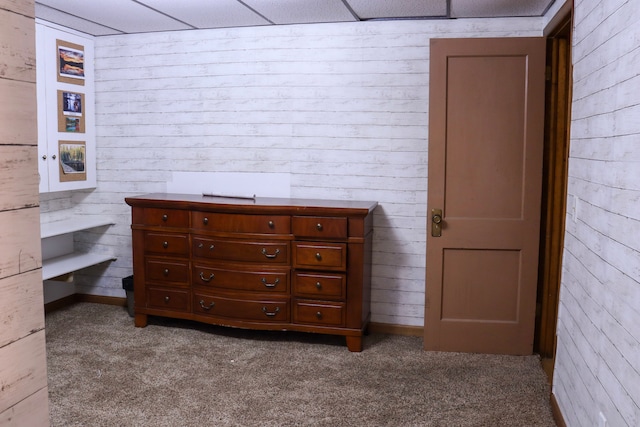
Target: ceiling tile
[209,14]
[498,8]
[123,15]
[302,11]
[70,21]
[371,9]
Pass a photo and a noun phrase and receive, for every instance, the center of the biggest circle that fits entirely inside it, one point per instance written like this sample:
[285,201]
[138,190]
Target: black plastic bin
[127,285]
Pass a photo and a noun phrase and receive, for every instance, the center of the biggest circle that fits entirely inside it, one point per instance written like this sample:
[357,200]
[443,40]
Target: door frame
[555,175]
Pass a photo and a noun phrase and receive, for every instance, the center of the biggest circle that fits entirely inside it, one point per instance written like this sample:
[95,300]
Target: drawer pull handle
[166,272]
[165,245]
[319,227]
[318,256]
[271,224]
[270,313]
[264,252]
[166,300]
[270,285]
[207,307]
[165,217]
[319,315]
[204,279]
[201,245]
[318,285]
[205,220]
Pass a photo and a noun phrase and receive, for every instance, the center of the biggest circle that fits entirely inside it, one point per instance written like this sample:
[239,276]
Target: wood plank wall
[23,395]
[342,108]
[597,371]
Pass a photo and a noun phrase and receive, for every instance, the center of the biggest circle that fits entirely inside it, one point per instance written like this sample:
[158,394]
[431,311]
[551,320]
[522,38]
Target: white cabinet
[66,109]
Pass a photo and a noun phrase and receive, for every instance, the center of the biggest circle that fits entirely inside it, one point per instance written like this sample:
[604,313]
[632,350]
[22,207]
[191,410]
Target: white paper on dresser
[240,184]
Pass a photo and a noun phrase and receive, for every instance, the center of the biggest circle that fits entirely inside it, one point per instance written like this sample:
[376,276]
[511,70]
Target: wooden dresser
[263,263]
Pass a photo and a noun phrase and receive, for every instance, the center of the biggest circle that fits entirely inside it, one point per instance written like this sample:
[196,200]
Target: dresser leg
[140,320]
[354,343]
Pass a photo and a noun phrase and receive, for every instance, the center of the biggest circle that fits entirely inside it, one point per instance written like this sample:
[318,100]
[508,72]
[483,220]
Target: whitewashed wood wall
[597,374]
[342,108]
[23,378]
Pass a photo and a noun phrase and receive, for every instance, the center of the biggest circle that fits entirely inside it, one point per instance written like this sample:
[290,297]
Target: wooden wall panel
[18,123]
[597,374]
[22,303]
[22,369]
[19,6]
[32,411]
[20,249]
[18,176]
[18,50]
[23,364]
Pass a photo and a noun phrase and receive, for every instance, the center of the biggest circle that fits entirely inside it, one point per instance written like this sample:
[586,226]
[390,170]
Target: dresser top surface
[225,203]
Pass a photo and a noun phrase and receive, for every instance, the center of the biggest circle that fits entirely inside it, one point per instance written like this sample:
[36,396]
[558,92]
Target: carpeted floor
[105,372]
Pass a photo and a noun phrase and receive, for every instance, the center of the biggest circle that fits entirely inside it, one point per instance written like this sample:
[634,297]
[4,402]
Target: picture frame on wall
[70,62]
[72,157]
[71,111]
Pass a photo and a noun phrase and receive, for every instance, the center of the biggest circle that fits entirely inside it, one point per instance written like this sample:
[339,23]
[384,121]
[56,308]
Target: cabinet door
[65,111]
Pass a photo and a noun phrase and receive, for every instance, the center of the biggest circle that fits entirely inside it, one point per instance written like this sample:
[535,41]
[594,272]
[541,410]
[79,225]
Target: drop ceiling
[101,18]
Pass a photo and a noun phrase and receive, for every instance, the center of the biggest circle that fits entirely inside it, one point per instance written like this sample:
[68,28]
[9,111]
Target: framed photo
[70,62]
[72,157]
[70,112]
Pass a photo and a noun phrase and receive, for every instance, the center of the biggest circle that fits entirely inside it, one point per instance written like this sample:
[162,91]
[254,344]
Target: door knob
[436,221]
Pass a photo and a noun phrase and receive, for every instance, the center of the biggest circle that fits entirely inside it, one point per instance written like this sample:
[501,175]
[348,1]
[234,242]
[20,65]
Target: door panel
[464,296]
[481,109]
[485,170]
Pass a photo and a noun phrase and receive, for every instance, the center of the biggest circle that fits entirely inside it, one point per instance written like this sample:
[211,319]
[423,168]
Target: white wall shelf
[72,224]
[59,255]
[69,263]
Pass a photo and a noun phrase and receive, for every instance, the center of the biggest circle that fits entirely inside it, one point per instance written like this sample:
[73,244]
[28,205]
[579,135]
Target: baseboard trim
[75,298]
[548,365]
[557,413]
[101,299]
[60,303]
[388,328]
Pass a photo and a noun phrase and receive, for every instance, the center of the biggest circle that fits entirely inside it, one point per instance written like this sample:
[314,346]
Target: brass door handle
[436,222]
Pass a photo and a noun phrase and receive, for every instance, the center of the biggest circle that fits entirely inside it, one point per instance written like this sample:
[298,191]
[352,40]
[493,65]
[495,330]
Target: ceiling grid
[143,16]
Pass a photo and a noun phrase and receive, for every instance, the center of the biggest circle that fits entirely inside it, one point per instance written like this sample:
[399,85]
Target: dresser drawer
[319,313]
[240,280]
[257,224]
[168,299]
[270,310]
[162,270]
[320,227]
[329,256]
[166,217]
[166,243]
[241,250]
[320,286]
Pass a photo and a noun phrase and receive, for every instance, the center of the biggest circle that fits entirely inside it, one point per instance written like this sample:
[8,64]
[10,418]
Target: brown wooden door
[486,124]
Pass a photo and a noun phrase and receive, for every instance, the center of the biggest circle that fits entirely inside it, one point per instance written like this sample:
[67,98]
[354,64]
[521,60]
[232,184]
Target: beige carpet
[105,372]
